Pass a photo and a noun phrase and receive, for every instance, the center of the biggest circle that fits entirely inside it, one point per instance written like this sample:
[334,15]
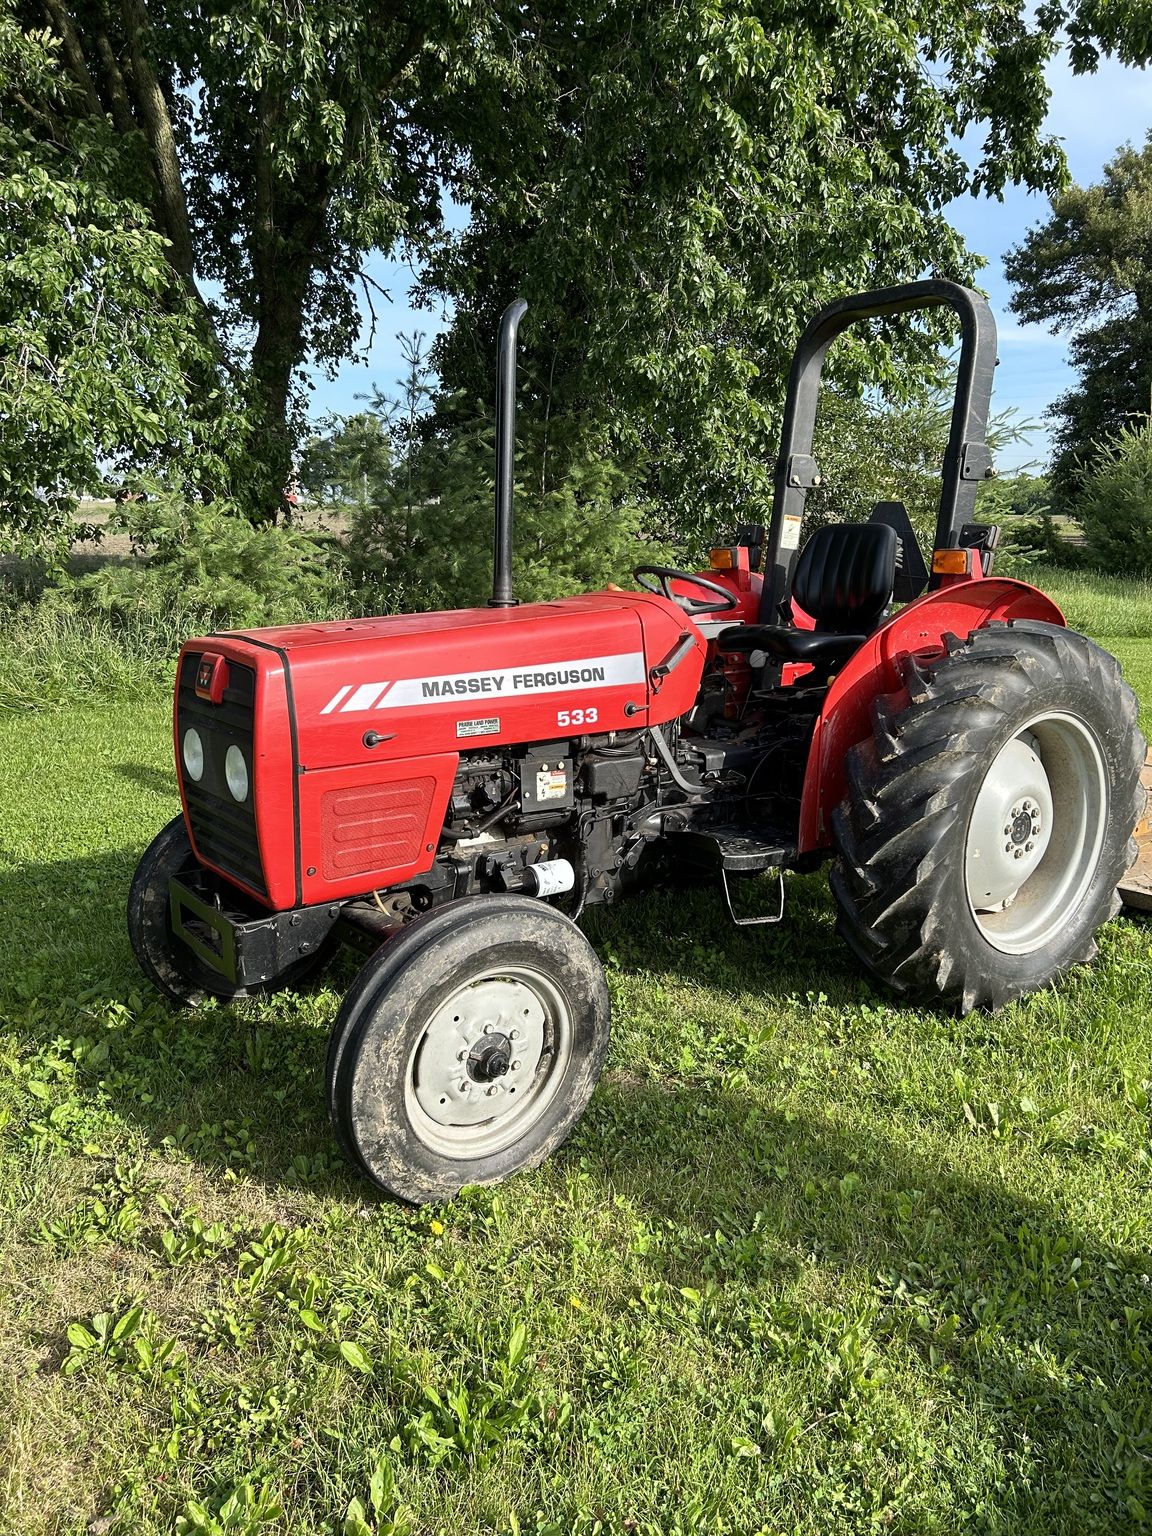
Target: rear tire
[468,1047]
[989,819]
[168,963]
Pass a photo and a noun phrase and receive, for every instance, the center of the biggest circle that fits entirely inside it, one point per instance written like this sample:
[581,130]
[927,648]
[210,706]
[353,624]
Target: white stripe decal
[517,682]
[364,698]
[523,681]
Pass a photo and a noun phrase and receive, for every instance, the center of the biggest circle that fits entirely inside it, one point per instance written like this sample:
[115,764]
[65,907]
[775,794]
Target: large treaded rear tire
[901,831]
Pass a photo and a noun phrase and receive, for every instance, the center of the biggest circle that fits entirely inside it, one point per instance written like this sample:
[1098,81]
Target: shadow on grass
[1040,1330]
[1050,1343]
[158,781]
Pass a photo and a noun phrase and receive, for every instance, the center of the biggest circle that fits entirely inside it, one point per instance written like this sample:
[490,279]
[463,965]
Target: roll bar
[505,455]
[967,460]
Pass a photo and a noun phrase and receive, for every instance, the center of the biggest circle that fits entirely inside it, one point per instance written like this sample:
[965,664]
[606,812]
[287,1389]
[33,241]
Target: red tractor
[453,789]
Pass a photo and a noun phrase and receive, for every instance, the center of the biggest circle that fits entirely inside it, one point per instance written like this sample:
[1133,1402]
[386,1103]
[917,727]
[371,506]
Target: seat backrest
[845,575]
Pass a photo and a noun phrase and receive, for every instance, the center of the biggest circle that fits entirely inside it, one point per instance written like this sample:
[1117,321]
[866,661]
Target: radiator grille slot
[373,828]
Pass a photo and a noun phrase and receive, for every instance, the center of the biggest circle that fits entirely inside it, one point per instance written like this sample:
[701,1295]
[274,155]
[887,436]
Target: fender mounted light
[952,562]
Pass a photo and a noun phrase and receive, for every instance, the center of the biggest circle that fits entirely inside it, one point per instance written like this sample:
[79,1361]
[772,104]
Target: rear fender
[878,667]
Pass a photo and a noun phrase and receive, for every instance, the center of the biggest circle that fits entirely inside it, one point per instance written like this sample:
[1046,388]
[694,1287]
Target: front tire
[989,819]
[468,1047]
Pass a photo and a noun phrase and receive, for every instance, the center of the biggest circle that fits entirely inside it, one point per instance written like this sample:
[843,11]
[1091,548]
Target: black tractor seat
[844,578]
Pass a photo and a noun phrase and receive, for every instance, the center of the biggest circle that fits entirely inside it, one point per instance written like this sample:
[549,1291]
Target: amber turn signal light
[952,562]
[722,559]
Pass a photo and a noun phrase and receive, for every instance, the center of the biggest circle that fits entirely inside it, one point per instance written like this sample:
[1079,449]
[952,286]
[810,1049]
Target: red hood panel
[480,677]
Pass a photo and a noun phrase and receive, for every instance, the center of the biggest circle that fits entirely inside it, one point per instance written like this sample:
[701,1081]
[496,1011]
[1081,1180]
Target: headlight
[193,754]
[236,773]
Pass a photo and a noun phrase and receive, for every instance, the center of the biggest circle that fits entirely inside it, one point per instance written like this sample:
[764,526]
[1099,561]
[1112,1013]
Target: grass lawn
[811,1263]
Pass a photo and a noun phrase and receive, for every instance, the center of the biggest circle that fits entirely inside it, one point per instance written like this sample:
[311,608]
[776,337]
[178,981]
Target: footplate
[737,850]
[728,850]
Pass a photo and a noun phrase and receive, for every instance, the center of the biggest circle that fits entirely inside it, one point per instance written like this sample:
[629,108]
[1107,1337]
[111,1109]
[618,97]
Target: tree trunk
[277,350]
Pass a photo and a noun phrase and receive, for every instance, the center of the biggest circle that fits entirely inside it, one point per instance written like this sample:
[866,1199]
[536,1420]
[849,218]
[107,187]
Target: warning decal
[552,784]
[790,532]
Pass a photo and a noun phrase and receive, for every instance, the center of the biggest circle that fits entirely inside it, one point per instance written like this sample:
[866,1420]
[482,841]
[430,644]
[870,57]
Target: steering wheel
[665,574]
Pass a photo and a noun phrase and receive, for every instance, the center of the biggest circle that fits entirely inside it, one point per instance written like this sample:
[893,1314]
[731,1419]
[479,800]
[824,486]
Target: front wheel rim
[1035,834]
[488,1063]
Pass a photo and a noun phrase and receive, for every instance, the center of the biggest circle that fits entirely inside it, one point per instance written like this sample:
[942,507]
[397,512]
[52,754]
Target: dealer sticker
[487,727]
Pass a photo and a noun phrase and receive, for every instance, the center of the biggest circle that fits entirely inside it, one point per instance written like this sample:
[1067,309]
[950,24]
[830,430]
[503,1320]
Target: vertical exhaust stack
[505,455]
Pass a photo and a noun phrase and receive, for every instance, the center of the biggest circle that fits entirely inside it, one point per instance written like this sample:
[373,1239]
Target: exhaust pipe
[505,455]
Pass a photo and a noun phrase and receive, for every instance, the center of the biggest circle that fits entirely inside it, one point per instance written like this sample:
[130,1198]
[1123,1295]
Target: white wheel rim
[1035,834]
[488,1063]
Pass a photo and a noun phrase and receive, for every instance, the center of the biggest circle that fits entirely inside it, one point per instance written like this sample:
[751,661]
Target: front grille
[373,827]
[223,830]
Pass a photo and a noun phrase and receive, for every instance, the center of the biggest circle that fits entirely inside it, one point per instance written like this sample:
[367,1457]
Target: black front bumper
[247,951]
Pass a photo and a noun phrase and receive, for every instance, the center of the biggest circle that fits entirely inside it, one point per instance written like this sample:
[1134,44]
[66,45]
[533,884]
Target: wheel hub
[1010,828]
[489,1058]
[481,1053]
[1035,833]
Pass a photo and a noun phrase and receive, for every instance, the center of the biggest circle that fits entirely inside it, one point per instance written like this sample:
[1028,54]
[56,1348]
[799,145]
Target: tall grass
[55,652]
[1098,605]
[52,653]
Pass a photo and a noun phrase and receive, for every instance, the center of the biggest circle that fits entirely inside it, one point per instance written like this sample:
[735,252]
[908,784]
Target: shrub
[427,541]
[1115,504]
[206,561]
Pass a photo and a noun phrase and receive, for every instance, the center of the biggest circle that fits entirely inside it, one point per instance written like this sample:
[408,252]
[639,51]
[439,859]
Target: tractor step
[732,850]
[725,851]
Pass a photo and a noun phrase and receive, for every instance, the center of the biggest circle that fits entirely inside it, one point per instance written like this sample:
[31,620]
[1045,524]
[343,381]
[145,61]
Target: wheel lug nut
[515,1067]
[464,1086]
[488,1029]
[1019,852]
[1007,831]
[1028,847]
[513,1034]
[495,1088]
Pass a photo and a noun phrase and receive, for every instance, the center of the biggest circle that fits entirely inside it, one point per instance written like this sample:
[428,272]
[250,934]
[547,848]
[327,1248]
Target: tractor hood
[474,677]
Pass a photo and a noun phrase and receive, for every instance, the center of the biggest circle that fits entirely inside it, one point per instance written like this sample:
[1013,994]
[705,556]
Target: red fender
[878,667]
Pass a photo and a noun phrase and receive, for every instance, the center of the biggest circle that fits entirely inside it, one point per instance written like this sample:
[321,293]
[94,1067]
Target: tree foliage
[578,523]
[1087,271]
[674,187]
[1115,503]
[350,465]
[95,351]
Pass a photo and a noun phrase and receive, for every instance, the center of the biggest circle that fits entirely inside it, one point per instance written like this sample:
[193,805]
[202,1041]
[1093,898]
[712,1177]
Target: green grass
[811,1263]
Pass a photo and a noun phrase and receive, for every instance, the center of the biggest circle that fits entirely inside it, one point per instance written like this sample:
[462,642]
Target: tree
[675,186]
[95,353]
[273,146]
[675,189]
[427,541]
[350,466]
[1087,272]
[1115,503]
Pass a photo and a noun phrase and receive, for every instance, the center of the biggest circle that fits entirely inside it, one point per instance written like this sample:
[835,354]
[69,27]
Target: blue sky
[1093,115]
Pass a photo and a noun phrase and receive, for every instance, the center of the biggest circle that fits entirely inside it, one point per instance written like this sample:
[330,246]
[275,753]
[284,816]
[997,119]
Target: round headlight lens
[193,754]
[236,773]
